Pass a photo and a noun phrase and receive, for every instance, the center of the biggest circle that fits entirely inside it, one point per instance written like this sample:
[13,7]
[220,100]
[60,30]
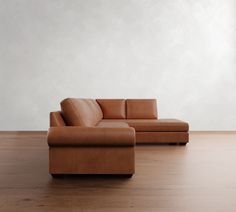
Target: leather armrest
[56,119]
[90,136]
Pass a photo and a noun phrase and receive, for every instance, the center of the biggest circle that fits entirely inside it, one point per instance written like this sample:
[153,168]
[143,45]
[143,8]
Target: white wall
[182,52]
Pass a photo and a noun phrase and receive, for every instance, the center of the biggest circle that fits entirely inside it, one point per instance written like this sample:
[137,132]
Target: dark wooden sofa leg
[57,176]
[178,143]
[182,144]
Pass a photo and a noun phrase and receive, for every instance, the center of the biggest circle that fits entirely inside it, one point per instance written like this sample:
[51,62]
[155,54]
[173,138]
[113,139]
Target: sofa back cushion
[81,112]
[141,109]
[113,108]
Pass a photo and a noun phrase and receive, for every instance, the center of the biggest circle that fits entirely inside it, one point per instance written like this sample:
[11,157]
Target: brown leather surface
[95,131]
[141,109]
[160,125]
[91,136]
[153,125]
[113,108]
[81,112]
[56,119]
[91,160]
[92,145]
[161,137]
[111,124]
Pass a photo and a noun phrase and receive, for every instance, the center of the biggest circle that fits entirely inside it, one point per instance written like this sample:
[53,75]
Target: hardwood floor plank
[198,177]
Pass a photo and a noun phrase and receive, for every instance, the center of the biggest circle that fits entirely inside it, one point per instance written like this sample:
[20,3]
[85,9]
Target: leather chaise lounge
[98,136]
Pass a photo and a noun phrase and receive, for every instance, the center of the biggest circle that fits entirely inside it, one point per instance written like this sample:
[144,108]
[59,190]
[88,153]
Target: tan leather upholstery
[113,108]
[89,144]
[141,109]
[81,112]
[91,136]
[162,137]
[91,150]
[160,125]
[92,160]
[153,125]
[56,119]
[111,124]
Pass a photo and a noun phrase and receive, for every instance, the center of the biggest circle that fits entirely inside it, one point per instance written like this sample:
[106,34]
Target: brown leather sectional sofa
[98,136]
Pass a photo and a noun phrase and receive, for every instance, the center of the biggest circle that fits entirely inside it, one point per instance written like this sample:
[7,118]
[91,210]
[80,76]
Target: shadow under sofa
[98,136]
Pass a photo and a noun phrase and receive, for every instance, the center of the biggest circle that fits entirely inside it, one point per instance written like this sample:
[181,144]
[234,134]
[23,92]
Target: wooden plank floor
[200,177]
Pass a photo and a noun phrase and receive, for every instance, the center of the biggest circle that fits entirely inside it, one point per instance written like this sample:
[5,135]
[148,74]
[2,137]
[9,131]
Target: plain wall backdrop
[182,52]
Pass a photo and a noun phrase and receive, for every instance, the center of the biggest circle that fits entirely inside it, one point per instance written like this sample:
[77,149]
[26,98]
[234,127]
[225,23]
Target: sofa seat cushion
[111,124]
[157,125]
[113,108]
